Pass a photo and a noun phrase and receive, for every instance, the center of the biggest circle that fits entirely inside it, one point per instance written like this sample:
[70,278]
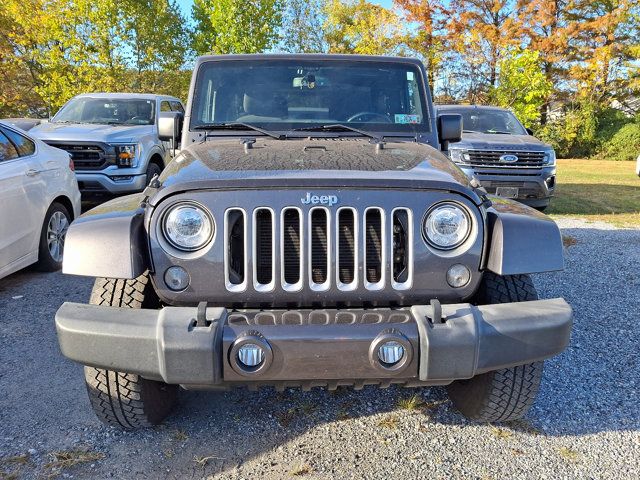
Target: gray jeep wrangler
[312,233]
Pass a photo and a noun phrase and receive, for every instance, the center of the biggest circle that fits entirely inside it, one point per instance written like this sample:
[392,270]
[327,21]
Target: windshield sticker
[406,118]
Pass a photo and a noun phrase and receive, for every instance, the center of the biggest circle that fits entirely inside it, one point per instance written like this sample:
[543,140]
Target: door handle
[32,172]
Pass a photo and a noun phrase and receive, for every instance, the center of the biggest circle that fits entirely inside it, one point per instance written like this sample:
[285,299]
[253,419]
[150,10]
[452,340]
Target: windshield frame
[153,101]
[289,129]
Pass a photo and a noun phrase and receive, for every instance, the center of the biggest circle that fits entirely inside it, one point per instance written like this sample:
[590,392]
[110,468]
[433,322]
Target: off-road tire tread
[506,394]
[126,400]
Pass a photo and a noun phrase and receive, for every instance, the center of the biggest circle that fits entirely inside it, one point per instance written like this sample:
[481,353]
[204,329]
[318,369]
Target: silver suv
[503,155]
[113,139]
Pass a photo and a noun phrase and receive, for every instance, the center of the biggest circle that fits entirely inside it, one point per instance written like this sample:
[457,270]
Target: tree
[522,85]
[358,26]
[480,31]
[302,27]
[429,37]
[235,26]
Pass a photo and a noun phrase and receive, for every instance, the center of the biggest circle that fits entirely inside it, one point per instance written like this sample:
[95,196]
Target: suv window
[165,107]
[177,107]
[7,150]
[23,145]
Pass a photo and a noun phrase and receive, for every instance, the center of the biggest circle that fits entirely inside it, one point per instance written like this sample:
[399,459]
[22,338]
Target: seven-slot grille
[491,158]
[318,248]
[85,157]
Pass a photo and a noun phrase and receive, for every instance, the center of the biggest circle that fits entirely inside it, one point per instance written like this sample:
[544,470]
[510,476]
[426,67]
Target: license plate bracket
[507,192]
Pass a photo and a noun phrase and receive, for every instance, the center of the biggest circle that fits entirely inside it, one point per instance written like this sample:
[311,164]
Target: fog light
[250,355]
[176,278]
[391,352]
[458,276]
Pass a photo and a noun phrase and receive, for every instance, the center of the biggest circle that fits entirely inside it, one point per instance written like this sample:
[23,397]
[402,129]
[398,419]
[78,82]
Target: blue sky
[186,5]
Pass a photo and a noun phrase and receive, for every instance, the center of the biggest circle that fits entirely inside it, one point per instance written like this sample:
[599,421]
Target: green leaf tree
[522,85]
[302,27]
[235,26]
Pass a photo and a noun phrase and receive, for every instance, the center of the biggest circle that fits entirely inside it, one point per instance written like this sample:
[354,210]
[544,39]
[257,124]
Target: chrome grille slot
[374,255]
[347,251]
[491,158]
[263,249]
[402,249]
[235,248]
[319,249]
[291,249]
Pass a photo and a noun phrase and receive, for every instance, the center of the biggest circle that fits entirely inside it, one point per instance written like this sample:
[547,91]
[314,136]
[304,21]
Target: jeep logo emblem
[509,158]
[310,199]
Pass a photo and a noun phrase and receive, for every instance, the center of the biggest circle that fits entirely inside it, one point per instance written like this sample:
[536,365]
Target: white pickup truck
[113,139]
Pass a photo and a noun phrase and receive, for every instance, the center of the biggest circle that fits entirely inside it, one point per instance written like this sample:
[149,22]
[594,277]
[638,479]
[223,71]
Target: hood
[87,132]
[312,162]
[496,141]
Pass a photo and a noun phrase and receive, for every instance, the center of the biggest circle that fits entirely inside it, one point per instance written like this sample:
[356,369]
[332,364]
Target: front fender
[108,241]
[521,240]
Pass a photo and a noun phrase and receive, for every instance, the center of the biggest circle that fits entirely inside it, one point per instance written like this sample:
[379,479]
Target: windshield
[112,111]
[289,94]
[488,121]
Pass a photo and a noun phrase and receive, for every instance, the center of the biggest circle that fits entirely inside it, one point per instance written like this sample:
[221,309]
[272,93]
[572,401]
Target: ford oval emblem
[509,158]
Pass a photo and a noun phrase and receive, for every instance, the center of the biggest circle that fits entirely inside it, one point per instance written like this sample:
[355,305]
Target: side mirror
[529,131]
[170,126]
[449,128]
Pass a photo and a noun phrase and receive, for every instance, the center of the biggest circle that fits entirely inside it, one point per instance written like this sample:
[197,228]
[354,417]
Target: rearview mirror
[169,126]
[449,128]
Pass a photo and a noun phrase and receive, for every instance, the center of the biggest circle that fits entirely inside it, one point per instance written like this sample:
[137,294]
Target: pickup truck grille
[491,158]
[85,157]
[318,249]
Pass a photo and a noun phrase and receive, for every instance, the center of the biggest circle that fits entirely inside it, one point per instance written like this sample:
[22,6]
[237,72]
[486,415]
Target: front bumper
[313,347]
[535,186]
[99,183]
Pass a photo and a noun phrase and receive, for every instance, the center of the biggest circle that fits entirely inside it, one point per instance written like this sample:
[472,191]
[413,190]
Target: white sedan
[39,198]
[638,166]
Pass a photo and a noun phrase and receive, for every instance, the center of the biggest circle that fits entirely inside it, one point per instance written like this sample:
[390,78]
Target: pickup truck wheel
[506,394]
[119,399]
[153,169]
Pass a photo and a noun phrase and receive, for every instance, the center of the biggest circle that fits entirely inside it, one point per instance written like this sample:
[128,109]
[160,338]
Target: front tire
[505,394]
[52,237]
[126,400]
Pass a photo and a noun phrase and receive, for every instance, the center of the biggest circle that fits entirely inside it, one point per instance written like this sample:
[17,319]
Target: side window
[177,107]
[7,150]
[164,106]
[23,145]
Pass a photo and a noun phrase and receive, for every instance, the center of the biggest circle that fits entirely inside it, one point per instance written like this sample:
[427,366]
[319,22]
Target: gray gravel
[585,423]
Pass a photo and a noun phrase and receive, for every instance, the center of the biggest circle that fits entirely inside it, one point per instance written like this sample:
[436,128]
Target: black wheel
[152,170]
[506,394]
[52,237]
[120,399]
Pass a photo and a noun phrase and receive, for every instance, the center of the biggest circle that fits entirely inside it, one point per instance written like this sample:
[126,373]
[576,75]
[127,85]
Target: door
[22,199]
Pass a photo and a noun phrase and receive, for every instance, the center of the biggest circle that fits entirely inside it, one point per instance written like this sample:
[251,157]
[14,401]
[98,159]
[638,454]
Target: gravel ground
[585,423]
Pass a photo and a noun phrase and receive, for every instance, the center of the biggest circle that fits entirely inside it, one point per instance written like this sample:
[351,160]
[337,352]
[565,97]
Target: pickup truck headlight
[549,158]
[188,226]
[126,155]
[458,155]
[447,226]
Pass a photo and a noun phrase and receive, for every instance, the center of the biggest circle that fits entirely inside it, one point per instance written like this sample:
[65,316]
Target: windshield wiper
[498,132]
[338,127]
[65,121]
[237,126]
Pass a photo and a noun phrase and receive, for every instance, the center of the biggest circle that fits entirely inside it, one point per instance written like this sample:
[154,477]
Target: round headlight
[188,227]
[447,226]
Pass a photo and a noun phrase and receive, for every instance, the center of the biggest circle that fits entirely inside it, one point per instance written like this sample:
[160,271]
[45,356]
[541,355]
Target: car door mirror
[170,126]
[449,128]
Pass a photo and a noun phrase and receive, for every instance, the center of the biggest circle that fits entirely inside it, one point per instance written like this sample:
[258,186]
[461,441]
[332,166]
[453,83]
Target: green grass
[598,190]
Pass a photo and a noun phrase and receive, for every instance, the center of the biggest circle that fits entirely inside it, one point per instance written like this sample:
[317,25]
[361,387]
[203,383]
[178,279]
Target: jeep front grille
[491,158]
[319,248]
